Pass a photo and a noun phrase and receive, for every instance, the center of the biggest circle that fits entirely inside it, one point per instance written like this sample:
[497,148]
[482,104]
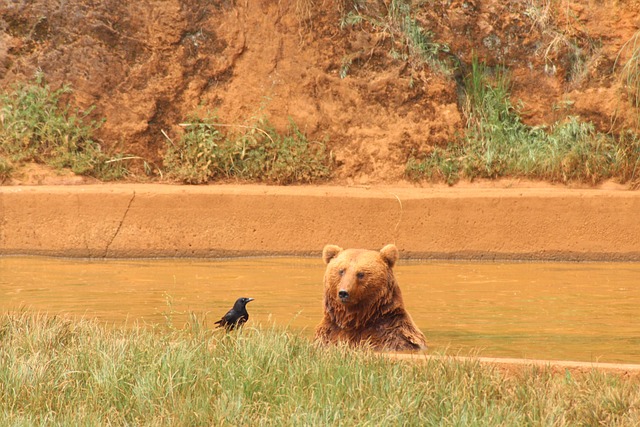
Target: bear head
[360,282]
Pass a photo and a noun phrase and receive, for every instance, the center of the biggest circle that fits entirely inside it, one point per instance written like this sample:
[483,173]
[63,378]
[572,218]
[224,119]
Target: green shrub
[34,127]
[190,160]
[498,144]
[258,154]
[439,165]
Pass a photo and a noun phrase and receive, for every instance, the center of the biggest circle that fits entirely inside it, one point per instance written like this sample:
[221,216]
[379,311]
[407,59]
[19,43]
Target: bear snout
[343,295]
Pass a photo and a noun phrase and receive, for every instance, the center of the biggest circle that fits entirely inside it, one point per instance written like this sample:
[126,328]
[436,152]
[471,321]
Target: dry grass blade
[630,72]
[58,371]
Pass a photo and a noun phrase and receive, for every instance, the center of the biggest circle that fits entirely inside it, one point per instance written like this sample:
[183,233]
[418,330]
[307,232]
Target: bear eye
[360,275]
[341,272]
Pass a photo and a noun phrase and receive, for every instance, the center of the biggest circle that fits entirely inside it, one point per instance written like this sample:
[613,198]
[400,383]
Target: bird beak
[249,299]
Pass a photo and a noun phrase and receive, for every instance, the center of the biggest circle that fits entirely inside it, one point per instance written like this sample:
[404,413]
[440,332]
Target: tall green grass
[58,371]
[209,150]
[36,126]
[498,144]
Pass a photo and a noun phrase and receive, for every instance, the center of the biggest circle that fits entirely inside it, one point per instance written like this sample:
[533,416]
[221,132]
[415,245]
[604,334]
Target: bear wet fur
[363,303]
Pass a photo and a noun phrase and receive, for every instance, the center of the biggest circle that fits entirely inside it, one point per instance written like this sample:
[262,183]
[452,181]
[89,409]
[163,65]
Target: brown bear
[363,303]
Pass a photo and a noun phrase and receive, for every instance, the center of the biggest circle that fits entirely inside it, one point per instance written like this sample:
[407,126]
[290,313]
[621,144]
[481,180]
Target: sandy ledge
[154,220]
[514,365]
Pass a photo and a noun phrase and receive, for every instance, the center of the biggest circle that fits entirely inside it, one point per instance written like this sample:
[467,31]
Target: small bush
[498,144]
[440,165]
[33,127]
[258,154]
[192,159]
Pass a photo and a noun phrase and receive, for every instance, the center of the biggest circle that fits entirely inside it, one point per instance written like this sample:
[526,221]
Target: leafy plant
[191,159]
[439,165]
[497,143]
[280,158]
[257,153]
[34,127]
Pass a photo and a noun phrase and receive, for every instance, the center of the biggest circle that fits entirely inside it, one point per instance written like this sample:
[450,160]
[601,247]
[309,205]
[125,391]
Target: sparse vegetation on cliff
[498,144]
[210,150]
[411,42]
[630,70]
[400,94]
[36,127]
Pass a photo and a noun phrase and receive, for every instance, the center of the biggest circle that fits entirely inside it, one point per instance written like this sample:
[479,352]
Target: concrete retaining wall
[150,220]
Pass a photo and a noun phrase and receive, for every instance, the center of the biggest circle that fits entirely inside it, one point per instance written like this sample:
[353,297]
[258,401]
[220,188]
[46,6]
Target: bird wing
[228,318]
[233,318]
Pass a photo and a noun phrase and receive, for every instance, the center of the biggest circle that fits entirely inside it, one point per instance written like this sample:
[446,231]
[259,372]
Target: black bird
[237,316]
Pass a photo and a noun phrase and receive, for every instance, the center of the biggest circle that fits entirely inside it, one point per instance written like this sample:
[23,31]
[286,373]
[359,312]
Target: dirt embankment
[146,65]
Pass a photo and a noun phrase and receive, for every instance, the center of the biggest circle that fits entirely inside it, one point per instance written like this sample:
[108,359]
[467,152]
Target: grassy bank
[55,371]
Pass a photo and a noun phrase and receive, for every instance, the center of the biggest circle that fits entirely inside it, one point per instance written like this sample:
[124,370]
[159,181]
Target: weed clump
[498,144]
[630,72]
[35,128]
[206,151]
[411,42]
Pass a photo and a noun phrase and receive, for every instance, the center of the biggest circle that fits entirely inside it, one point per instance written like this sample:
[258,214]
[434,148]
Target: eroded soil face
[147,65]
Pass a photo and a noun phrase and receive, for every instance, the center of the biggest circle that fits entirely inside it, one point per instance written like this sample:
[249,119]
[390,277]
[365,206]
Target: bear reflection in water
[363,303]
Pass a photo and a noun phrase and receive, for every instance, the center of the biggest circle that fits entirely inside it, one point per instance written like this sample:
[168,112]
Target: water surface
[573,311]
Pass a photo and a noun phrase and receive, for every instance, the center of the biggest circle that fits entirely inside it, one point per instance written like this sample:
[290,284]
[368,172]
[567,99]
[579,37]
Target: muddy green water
[572,311]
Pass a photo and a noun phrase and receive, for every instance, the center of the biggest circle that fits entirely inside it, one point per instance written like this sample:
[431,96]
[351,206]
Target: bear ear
[390,255]
[329,252]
